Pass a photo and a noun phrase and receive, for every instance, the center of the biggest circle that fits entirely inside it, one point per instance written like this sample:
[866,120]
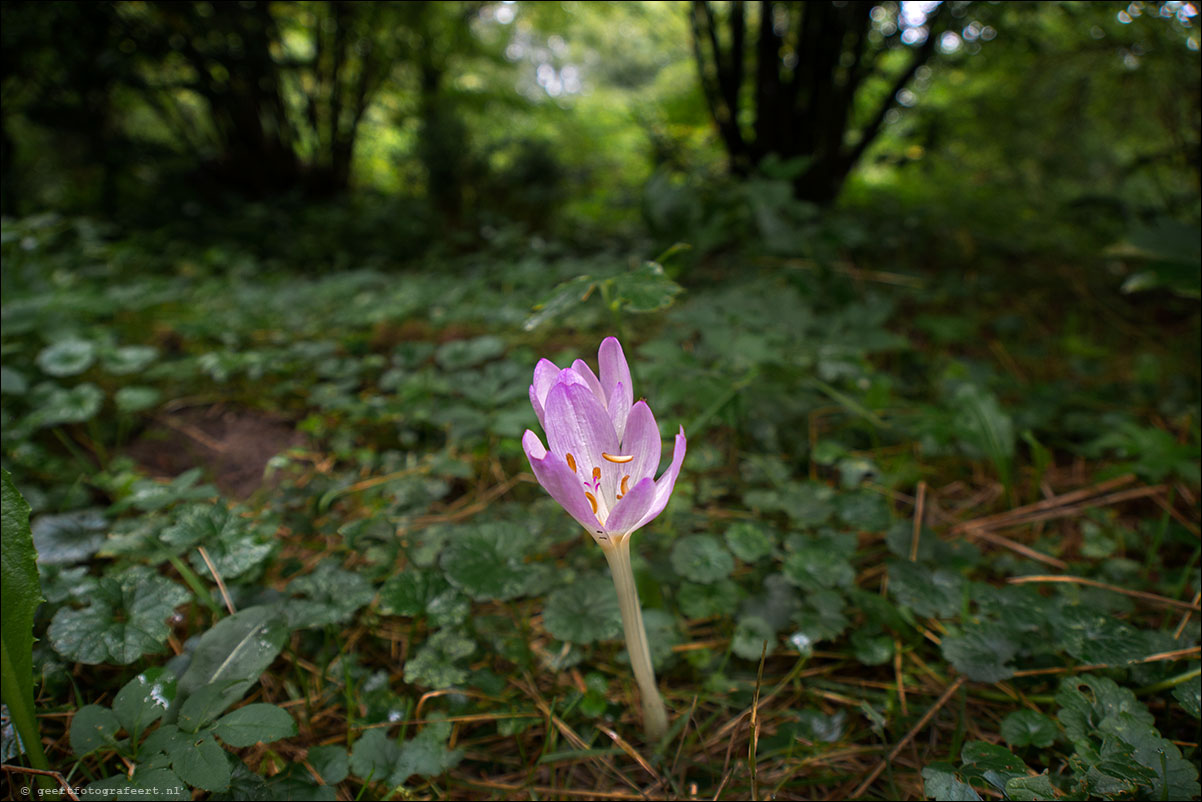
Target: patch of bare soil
[232,445]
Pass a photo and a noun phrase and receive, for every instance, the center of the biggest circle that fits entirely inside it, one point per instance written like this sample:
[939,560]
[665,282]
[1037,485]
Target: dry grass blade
[1135,594]
[625,746]
[876,772]
[1065,499]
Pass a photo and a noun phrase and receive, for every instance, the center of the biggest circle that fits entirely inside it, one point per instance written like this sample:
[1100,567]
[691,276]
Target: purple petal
[614,369]
[642,441]
[663,487]
[545,374]
[538,407]
[577,424]
[590,378]
[619,408]
[553,473]
[631,508]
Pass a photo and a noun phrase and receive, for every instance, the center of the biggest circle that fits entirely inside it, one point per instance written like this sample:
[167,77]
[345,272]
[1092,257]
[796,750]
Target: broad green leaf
[981,653]
[1028,728]
[1189,694]
[645,289]
[749,541]
[373,756]
[814,565]
[1031,789]
[20,595]
[330,594]
[751,633]
[67,357]
[929,593]
[425,754]
[236,650]
[1094,636]
[487,563]
[125,619]
[13,382]
[255,723]
[701,558]
[93,727]
[129,359]
[584,611]
[144,699]
[459,354]
[565,296]
[864,511]
[203,764]
[331,762]
[995,764]
[776,602]
[940,783]
[56,405]
[136,399]
[719,598]
[70,537]
[434,663]
[871,649]
[1080,713]
[204,705]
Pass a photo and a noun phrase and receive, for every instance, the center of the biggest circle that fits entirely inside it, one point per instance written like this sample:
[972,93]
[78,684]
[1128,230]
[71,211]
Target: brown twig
[1093,583]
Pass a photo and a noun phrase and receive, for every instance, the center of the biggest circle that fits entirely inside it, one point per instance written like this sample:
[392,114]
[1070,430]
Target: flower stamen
[618,459]
[591,500]
[572,463]
[623,490]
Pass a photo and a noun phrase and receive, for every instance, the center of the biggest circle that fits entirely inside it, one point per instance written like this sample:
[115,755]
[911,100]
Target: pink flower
[604,449]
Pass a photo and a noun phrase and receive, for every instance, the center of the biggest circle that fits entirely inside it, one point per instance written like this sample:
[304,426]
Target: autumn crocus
[603,452]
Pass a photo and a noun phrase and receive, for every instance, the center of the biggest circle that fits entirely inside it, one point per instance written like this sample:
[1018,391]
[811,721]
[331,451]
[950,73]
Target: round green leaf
[67,358]
[257,723]
[69,538]
[129,359]
[93,727]
[203,764]
[76,405]
[750,634]
[486,563]
[706,601]
[701,558]
[584,611]
[1029,728]
[136,399]
[750,541]
[434,664]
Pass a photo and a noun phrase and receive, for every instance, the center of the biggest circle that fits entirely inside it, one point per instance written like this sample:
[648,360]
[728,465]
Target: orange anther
[572,463]
[591,500]
[612,458]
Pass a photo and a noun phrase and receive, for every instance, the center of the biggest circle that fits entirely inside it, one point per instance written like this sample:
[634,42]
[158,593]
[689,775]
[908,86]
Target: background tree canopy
[920,281]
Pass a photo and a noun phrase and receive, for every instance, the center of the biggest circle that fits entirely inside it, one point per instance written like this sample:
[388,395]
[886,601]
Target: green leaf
[565,296]
[56,405]
[584,611]
[871,649]
[67,357]
[144,699]
[1031,789]
[203,764]
[981,653]
[236,650]
[984,429]
[706,601]
[1028,728]
[255,723]
[129,359]
[995,764]
[433,665]
[93,727]
[459,354]
[1080,714]
[1189,694]
[426,754]
[13,382]
[645,289]
[331,596]
[70,537]
[749,541]
[941,783]
[331,762]
[750,635]
[814,565]
[232,546]
[701,558]
[487,563]
[126,618]
[863,511]
[20,595]
[136,399]
[1094,636]
[373,756]
[931,593]
[204,705]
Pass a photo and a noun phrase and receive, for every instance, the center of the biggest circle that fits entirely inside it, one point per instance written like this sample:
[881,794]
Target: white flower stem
[655,717]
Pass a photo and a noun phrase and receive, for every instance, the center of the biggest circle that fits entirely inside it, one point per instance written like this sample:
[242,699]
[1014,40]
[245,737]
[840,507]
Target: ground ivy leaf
[940,783]
[1029,728]
[70,537]
[701,558]
[584,611]
[814,565]
[433,666]
[981,653]
[67,357]
[1081,714]
[257,723]
[1031,789]
[750,541]
[995,764]
[425,754]
[373,756]
[929,593]
[707,601]
[487,562]
[93,727]
[1093,636]
[871,649]
[126,618]
[55,405]
[331,596]
[331,762]
[863,510]
[750,635]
